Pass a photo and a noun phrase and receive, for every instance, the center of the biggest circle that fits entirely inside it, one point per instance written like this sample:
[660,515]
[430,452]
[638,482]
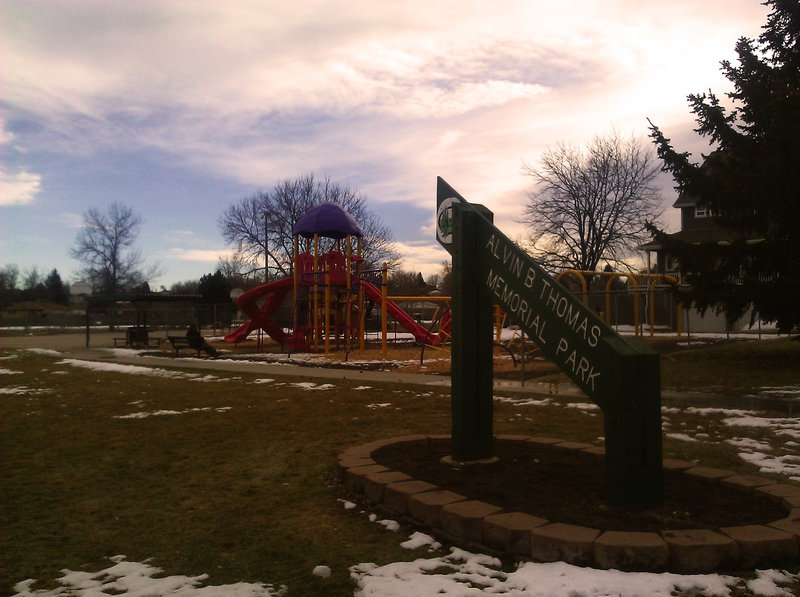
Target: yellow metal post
[327,307]
[384,310]
[316,293]
[580,277]
[348,319]
[296,317]
[650,297]
[362,315]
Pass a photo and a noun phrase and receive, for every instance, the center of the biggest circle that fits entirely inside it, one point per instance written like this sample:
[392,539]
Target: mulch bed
[569,486]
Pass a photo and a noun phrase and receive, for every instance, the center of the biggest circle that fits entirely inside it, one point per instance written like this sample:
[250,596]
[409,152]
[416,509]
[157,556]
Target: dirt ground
[404,357]
[567,486]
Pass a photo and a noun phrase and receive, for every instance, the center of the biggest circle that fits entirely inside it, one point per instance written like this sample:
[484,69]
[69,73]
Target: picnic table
[137,336]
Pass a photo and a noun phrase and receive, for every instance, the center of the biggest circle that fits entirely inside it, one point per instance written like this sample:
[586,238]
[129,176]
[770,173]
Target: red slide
[260,317]
[419,332]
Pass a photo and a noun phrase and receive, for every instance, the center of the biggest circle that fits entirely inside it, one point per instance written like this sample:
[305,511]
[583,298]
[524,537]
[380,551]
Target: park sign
[563,328]
[621,375]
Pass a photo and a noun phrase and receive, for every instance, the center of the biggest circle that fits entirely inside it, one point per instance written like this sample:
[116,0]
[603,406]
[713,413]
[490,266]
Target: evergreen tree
[216,292]
[56,290]
[214,288]
[750,181]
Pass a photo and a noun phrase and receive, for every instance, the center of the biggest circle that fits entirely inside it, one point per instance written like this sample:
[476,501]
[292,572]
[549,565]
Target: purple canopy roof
[328,220]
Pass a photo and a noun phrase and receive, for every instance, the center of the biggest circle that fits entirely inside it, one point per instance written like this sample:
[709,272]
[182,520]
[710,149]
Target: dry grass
[240,484]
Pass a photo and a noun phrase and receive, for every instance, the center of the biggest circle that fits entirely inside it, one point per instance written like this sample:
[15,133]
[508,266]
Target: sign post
[472,360]
[622,376]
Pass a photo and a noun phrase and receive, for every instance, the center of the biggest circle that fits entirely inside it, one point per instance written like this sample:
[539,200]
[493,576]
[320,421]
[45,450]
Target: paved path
[102,344]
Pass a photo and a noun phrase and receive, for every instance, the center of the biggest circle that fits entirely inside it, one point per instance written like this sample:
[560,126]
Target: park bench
[181,342]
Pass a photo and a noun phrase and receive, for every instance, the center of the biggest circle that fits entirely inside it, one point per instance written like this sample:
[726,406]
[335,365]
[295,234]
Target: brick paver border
[477,525]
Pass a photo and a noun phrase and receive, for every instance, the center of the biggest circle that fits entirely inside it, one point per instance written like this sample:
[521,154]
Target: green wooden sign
[621,375]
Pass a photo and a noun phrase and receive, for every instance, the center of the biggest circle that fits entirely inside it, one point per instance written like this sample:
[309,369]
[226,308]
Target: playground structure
[641,285]
[332,292]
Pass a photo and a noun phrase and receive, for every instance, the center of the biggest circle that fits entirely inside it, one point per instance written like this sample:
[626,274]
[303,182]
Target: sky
[180,109]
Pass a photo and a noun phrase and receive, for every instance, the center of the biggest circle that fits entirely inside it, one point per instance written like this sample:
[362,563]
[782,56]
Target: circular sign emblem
[444,221]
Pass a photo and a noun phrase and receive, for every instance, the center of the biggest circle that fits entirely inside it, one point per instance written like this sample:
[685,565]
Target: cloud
[20,188]
[72,219]
[5,136]
[200,255]
[263,90]
[422,256]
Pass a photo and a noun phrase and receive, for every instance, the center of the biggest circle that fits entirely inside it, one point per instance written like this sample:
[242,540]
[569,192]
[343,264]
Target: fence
[217,317]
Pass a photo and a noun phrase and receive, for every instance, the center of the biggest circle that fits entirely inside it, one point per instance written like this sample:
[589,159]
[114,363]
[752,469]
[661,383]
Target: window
[672,264]
[702,212]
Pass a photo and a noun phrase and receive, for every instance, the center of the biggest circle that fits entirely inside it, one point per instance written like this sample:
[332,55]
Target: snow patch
[681,437]
[44,352]
[419,539]
[463,573]
[21,390]
[310,385]
[524,401]
[582,406]
[787,465]
[161,413]
[126,369]
[136,579]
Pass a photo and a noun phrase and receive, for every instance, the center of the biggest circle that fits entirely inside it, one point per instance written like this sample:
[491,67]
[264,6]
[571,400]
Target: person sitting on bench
[197,341]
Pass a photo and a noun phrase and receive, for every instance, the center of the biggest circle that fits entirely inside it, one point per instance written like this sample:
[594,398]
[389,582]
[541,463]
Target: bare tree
[592,204]
[262,224]
[32,278]
[105,246]
[9,281]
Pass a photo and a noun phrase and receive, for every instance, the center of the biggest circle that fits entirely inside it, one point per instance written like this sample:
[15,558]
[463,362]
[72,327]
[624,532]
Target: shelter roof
[328,220]
[143,298]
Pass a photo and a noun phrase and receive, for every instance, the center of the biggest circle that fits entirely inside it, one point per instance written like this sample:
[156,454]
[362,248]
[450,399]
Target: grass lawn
[232,475]
[743,367]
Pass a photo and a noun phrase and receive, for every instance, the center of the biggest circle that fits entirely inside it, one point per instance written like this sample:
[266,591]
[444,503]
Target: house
[698,226]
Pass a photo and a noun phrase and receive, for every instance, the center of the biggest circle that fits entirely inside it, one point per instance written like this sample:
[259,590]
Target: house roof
[695,237]
[685,200]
